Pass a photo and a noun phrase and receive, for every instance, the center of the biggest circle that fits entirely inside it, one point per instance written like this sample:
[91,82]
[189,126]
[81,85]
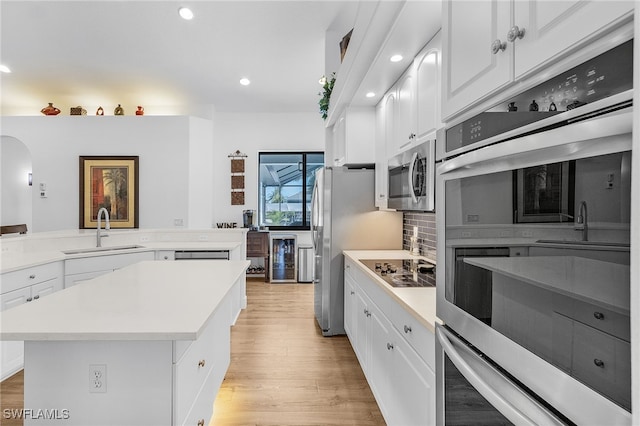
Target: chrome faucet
[581,223]
[107,226]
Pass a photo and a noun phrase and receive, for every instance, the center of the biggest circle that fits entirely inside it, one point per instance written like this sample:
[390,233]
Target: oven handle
[496,392]
[412,165]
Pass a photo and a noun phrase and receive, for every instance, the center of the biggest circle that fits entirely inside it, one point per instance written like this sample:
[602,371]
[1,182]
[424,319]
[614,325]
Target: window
[286,184]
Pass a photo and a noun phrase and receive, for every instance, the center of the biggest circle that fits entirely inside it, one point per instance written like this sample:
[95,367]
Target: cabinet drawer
[416,334]
[29,276]
[602,361]
[602,319]
[165,255]
[202,408]
[103,263]
[196,362]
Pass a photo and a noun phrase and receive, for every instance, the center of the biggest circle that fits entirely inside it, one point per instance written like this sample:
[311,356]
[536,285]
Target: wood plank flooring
[282,372]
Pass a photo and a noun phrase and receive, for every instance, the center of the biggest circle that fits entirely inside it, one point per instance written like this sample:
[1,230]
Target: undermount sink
[101,249]
[584,243]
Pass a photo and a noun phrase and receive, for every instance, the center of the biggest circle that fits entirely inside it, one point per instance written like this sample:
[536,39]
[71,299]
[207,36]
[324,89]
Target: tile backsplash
[426,223]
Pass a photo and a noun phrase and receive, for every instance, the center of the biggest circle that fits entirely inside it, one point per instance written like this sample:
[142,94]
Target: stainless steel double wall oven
[535,200]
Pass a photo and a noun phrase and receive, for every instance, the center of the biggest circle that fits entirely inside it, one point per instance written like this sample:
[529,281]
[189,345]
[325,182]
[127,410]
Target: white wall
[252,133]
[15,193]
[161,142]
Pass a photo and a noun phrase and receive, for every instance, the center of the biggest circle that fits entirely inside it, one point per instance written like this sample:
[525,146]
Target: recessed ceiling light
[370,95]
[245,81]
[396,58]
[185,13]
[4,68]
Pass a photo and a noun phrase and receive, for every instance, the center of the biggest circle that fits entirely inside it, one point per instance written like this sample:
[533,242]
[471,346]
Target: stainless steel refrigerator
[344,217]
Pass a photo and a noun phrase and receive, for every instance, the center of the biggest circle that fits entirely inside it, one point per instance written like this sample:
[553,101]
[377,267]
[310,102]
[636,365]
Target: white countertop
[146,301]
[602,283]
[12,261]
[420,302]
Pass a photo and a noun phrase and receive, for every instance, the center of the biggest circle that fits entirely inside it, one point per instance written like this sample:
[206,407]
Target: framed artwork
[544,193]
[110,182]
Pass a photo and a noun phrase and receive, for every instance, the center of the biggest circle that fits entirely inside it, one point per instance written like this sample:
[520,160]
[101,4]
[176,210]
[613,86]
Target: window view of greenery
[286,186]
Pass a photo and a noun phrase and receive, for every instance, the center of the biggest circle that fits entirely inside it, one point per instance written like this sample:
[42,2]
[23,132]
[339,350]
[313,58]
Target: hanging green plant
[326,94]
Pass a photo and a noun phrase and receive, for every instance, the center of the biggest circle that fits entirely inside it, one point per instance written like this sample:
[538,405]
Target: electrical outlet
[178,222]
[97,378]
[466,234]
[527,233]
[203,237]
[144,239]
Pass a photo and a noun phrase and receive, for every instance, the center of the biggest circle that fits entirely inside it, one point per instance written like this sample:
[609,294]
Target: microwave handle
[412,165]
[496,394]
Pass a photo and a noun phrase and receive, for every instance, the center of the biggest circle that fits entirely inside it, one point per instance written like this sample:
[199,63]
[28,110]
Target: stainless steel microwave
[412,178]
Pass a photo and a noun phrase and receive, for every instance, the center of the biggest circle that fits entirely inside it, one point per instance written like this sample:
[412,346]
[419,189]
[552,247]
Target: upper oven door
[412,178]
[542,316]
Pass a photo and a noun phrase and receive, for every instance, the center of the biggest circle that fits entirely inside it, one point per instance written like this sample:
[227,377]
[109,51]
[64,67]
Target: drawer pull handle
[407,329]
[389,346]
[201,363]
[598,315]
[29,299]
[36,297]
[353,292]
[32,276]
[201,422]
[598,363]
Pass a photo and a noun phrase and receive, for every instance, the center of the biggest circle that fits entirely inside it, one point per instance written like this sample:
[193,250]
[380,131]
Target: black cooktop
[403,272]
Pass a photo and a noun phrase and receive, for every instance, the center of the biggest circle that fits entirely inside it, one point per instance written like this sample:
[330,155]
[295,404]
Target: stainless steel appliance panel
[305,264]
[344,217]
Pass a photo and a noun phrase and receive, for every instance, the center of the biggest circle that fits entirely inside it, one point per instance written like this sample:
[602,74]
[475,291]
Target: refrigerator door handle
[314,226]
[501,392]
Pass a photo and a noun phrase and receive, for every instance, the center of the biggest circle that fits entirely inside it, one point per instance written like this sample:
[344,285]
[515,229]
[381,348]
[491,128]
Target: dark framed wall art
[110,182]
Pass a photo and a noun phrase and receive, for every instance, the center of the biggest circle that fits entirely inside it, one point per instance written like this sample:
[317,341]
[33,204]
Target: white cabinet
[396,353]
[83,269]
[490,44]
[19,287]
[414,115]
[354,136]
[385,131]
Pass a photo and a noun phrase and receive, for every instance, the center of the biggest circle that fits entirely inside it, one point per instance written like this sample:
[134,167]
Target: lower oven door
[473,391]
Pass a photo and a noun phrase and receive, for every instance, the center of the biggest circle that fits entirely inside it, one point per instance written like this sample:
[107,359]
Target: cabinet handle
[201,422]
[497,46]
[36,297]
[598,315]
[201,363]
[389,346]
[353,292]
[515,33]
[598,362]
[32,276]
[29,299]
[166,258]
[367,313]
[407,329]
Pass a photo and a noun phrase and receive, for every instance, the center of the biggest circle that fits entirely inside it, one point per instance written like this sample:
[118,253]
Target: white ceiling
[93,53]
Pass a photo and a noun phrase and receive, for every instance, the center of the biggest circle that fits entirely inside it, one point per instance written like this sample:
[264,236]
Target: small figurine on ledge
[118,110]
[100,111]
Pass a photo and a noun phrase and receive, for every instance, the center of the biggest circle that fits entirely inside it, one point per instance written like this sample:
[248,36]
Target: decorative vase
[118,110]
[78,111]
[50,110]
[140,110]
[513,107]
[100,111]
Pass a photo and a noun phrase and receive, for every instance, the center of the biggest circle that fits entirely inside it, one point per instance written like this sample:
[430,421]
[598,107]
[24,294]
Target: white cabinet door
[406,116]
[553,27]
[413,399]
[428,90]
[384,137]
[363,325]
[15,298]
[46,288]
[350,306]
[380,366]
[470,69]
[339,141]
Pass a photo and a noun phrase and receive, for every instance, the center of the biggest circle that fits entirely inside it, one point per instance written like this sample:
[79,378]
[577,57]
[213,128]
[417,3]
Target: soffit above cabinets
[382,30]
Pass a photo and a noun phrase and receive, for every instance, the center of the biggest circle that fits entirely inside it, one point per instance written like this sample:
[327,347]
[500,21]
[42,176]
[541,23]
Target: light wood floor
[282,372]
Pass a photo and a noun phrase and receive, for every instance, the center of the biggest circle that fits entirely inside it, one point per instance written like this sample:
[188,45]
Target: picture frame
[111,182]
[544,193]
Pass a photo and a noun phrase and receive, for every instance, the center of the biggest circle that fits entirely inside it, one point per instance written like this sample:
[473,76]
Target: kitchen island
[148,344]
